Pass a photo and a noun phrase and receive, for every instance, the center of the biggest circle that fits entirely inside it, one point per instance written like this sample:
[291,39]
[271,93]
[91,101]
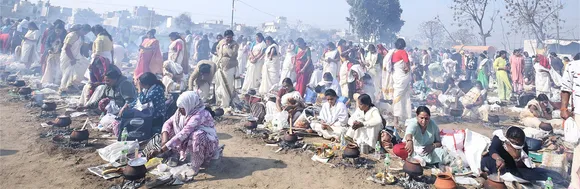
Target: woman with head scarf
[150,58]
[190,132]
[545,74]
[30,45]
[271,68]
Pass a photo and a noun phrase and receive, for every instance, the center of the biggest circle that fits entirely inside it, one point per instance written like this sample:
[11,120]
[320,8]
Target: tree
[379,19]
[467,12]
[183,21]
[537,17]
[432,31]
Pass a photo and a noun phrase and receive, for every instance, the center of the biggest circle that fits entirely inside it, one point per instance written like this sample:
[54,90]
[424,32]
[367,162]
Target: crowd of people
[347,82]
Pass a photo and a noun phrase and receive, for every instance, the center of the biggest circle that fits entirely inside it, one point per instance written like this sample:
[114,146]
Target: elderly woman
[365,124]
[509,154]
[190,132]
[422,139]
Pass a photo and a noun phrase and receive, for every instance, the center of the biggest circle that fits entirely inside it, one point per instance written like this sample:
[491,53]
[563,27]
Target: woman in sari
[256,61]
[30,45]
[330,60]
[397,86]
[303,66]
[190,132]
[373,67]
[72,63]
[544,75]
[503,82]
[227,55]
[176,65]
[242,56]
[52,72]
[150,58]
[271,68]
[287,66]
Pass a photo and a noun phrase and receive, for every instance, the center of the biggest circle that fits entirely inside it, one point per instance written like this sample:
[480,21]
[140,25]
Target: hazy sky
[325,14]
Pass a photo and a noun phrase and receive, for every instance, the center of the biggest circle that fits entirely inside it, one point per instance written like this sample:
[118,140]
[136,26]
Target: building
[280,25]
[6,7]
[24,8]
[85,16]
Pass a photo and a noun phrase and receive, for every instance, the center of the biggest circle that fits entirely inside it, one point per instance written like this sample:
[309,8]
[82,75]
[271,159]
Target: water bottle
[549,184]
[387,161]
[342,141]
[124,135]
[136,150]
[378,150]
[124,152]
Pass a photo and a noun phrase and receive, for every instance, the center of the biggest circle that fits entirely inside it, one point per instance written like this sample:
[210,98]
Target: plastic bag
[107,121]
[280,121]
[571,131]
[112,108]
[452,139]
[112,153]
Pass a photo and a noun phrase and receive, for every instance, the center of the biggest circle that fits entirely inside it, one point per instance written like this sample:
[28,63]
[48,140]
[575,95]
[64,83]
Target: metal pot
[291,138]
[19,83]
[251,125]
[534,144]
[79,135]
[351,151]
[493,118]
[24,91]
[135,169]
[456,112]
[412,167]
[48,106]
[62,121]
[219,112]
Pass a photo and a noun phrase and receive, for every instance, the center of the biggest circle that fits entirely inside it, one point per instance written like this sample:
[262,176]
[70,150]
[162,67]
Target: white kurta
[270,71]
[336,117]
[287,65]
[29,48]
[72,73]
[369,134]
[253,73]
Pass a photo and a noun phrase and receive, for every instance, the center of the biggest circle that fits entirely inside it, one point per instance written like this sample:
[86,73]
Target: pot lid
[138,161]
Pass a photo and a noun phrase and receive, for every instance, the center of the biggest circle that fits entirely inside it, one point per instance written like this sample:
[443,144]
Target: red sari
[302,79]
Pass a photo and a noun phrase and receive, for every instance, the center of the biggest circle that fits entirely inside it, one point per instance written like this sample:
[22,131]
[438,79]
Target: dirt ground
[26,161]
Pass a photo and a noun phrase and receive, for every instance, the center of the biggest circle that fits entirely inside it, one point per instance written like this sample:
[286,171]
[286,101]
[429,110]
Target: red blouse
[400,55]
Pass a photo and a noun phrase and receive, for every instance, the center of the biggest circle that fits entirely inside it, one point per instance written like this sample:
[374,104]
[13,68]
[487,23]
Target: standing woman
[242,56]
[227,55]
[52,72]
[150,58]
[271,68]
[372,63]
[30,45]
[503,82]
[482,73]
[331,60]
[397,87]
[174,68]
[287,66]
[255,64]
[303,66]
[102,46]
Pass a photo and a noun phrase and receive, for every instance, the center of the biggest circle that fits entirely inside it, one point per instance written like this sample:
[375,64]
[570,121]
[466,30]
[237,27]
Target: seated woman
[538,114]
[332,118]
[509,154]
[473,103]
[422,140]
[151,90]
[190,132]
[365,124]
[450,97]
[116,89]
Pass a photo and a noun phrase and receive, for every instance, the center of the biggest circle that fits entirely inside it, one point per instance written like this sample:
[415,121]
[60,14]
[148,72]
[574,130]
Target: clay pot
[251,125]
[219,112]
[62,121]
[412,167]
[135,171]
[24,91]
[19,83]
[351,151]
[493,118]
[489,184]
[291,138]
[456,112]
[48,106]
[444,181]
[79,135]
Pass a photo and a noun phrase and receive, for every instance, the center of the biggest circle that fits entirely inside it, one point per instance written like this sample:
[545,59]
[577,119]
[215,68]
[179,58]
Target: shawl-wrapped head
[191,102]
[543,61]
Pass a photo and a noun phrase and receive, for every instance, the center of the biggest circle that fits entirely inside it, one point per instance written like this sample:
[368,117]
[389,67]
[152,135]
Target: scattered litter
[466,180]
[516,109]
[319,159]
[78,114]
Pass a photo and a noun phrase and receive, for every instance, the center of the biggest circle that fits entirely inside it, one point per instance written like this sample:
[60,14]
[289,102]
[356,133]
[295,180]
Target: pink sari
[150,60]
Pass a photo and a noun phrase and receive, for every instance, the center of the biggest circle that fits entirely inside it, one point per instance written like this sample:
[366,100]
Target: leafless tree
[432,31]
[467,12]
[536,17]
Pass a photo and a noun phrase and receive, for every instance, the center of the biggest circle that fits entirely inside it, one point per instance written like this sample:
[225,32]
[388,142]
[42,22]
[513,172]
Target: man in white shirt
[333,117]
[571,88]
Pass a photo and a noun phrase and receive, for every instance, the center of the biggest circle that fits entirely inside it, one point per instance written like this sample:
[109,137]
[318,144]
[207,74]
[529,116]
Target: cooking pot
[219,112]
[24,91]
[412,167]
[493,118]
[48,106]
[444,181]
[251,125]
[19,83]
[351,151]
[62,121]
[534,144]
[135,169]
[456,112]
[490,184]
[79,135]
[291,138]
